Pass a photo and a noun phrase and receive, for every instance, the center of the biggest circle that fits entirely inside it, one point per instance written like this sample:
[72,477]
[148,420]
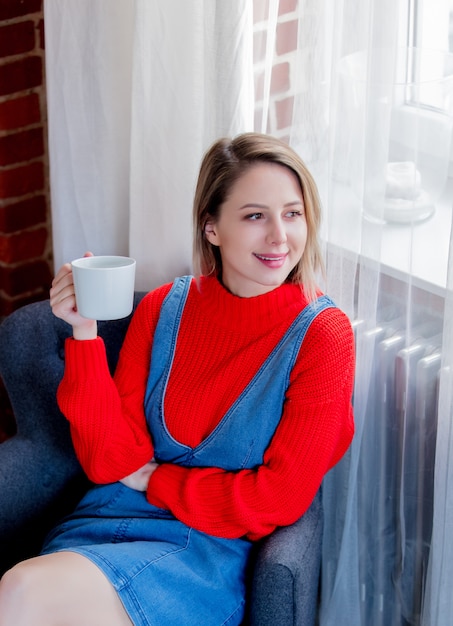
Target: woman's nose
[277,232]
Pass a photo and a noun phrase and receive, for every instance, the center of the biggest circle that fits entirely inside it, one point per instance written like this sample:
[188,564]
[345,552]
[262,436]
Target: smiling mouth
[271,257]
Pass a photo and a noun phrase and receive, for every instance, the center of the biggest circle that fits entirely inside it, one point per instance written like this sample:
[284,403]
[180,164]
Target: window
[431,24]
[393,150]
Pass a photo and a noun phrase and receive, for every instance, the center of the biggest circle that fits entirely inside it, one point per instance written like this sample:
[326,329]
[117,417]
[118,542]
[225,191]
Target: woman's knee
[14,582]
[59,588]
[20,589]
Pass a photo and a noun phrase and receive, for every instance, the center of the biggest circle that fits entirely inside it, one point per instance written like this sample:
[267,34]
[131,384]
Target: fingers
[64,305]
[139,479]
[63,286]
[62,290]
[62,278]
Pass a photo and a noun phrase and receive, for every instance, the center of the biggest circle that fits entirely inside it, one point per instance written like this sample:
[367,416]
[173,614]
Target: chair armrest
[40,477]
[285,577]
[39,484]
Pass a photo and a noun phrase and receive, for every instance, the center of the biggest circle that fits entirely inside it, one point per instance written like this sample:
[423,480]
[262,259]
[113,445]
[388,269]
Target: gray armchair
[41,479]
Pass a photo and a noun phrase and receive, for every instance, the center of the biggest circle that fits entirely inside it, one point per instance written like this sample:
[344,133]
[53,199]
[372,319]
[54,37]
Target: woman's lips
[272,260]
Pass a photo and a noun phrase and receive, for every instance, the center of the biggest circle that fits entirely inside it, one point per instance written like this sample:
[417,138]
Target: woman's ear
[211,233]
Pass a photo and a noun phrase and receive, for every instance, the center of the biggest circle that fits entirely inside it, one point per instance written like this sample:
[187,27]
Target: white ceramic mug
[104,286]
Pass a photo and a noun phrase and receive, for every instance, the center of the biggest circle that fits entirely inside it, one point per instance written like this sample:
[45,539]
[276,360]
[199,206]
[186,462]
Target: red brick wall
[25,241]
[281,89]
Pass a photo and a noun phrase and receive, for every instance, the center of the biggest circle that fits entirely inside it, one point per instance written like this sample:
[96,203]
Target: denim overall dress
[165,572]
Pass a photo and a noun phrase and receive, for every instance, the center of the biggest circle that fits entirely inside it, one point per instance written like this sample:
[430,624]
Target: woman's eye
[294,213]
[254,216]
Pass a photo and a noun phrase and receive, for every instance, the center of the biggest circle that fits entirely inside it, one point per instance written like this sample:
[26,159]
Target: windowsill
[419,250]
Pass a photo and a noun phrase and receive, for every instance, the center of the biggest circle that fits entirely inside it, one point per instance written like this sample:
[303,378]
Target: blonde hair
[222,165]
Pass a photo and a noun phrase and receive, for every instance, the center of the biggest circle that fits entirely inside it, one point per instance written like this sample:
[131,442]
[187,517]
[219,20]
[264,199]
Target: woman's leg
[60,588]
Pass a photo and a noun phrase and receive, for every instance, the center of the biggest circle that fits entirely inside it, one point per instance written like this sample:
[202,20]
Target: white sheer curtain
[374,122]
[137,90]
[89,52]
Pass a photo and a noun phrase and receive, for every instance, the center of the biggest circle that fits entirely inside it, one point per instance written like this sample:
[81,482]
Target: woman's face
[261,231]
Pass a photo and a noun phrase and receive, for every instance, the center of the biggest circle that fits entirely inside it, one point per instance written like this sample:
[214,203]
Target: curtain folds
[88,75]
[192,83]
[438,600]
[136,93]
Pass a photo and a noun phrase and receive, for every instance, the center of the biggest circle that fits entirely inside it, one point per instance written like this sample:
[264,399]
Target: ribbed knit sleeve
[106,415]
[315,431]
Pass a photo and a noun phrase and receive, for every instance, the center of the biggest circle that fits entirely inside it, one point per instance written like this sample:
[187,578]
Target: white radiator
[396,473]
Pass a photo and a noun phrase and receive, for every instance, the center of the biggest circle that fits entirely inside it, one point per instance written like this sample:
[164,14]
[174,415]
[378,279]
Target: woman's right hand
[64,305]
[139,480]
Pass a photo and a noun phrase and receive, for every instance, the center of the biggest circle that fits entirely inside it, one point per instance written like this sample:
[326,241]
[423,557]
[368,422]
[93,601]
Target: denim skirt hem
[163,571]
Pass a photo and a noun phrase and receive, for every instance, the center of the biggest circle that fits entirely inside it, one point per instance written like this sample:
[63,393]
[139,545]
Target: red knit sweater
[222,342]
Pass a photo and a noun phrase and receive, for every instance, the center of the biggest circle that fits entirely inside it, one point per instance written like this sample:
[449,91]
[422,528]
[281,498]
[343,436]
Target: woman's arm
[106,414]
[315,431]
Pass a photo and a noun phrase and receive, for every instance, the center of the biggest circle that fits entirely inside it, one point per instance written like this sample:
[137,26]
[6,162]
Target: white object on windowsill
[403,180]
[404,201]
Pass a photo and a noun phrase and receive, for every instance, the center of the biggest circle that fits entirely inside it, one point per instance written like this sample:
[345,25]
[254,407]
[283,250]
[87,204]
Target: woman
[230,402]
